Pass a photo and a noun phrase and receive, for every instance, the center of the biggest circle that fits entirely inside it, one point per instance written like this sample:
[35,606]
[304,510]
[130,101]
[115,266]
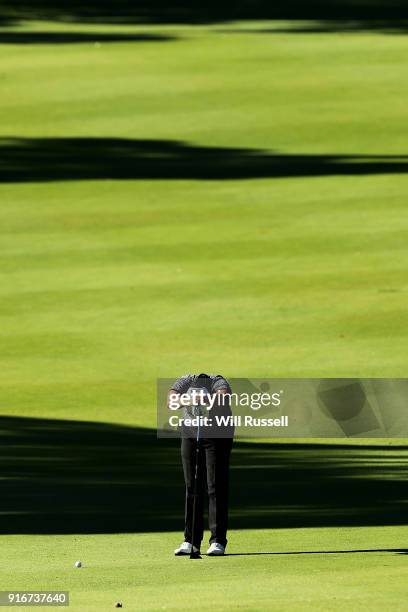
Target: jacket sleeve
[182,384]
[220,383]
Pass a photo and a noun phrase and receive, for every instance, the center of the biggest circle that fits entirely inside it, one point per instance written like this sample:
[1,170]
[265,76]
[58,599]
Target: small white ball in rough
[78,564]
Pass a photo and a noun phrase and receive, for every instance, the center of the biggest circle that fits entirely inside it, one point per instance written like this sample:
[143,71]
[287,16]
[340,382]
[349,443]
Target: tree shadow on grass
[63,159]
[326,26]
[82,477]
[397,551]
[194,12]
[63,38]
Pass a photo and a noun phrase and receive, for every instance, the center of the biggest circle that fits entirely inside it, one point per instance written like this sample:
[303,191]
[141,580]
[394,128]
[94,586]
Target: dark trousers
[213,473]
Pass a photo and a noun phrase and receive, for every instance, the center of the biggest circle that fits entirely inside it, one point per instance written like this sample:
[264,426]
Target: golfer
[213,467]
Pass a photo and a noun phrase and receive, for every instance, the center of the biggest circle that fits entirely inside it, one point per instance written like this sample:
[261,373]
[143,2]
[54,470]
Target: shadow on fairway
[398,551]
[82,477]
[194,12]
[63,159]
[328,26]
[63,38]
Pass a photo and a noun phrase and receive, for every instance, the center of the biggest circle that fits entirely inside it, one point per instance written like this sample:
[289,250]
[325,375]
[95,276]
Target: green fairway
[108,284]
[291,569]
[227,198]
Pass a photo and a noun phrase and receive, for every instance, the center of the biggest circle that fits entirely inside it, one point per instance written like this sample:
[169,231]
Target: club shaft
[197,458]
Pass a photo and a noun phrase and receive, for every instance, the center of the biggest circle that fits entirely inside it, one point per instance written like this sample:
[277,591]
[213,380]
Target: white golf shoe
[185,549]
[216,550]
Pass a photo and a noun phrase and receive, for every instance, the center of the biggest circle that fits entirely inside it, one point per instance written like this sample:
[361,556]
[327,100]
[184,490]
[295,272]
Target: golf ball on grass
[78,564]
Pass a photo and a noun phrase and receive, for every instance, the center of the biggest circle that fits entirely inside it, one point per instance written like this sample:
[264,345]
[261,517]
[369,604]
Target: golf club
[193,554]
[196,410]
